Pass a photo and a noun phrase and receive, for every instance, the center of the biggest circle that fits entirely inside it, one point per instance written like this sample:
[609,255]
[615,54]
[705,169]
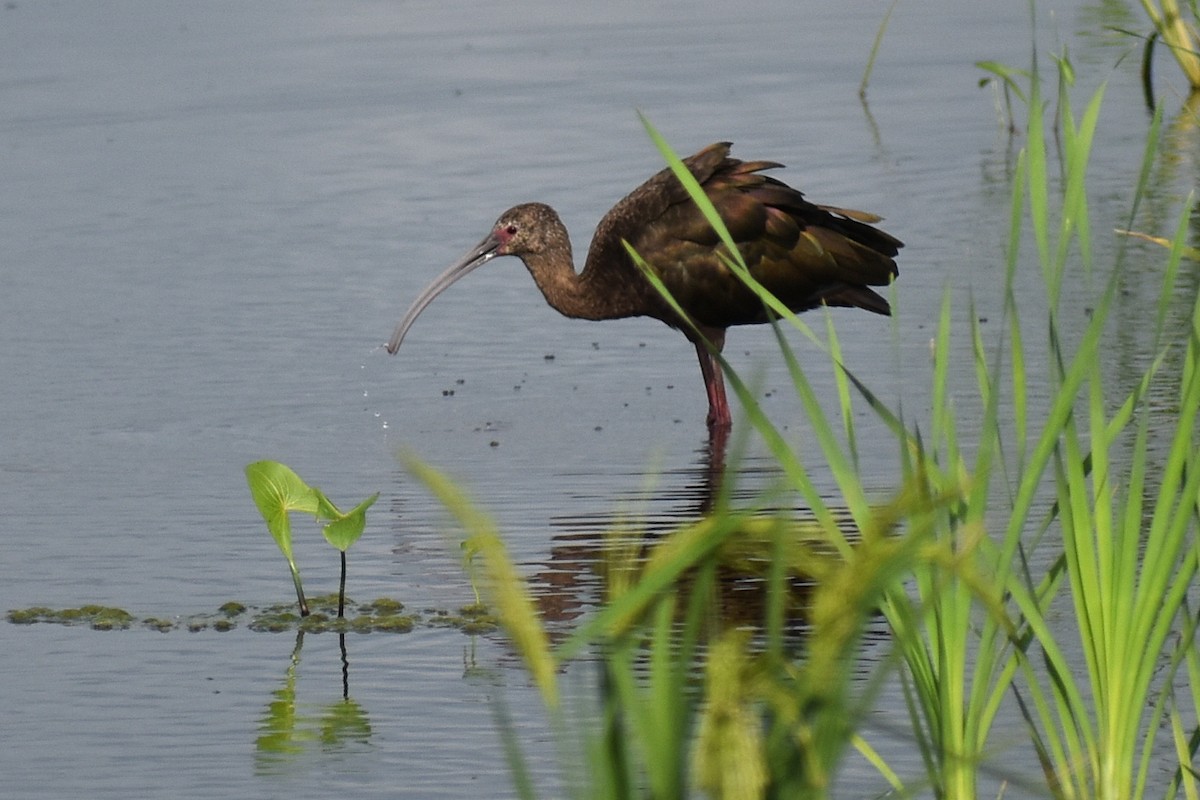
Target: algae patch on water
[382,615]
[474,618]
[101,618]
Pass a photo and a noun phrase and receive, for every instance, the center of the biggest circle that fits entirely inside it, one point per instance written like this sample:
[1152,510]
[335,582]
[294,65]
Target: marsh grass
[874,52]
[689,704]
[1178,33]
[1126,519]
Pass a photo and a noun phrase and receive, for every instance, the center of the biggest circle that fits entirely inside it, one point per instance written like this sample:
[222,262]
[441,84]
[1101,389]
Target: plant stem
[342,589]
[299,592]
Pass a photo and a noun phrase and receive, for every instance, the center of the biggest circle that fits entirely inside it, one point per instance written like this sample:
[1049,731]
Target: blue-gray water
[213,214]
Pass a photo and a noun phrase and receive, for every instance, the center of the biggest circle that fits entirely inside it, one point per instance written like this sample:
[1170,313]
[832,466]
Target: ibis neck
[579,295]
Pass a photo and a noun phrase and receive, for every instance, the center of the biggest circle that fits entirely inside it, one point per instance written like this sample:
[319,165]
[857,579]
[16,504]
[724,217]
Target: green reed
[1126,518]
[1178,33]
[1127,560]
[687,704]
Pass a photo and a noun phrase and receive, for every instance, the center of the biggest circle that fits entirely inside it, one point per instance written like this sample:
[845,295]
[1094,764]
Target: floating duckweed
[471,619]
[474,626]
[381,615]
[476,619]
[327,604]
[394,623]
[28,616]
[315,623]
[288,610]
[108,619]
[99,617]
[232,609]
[274,622]
[385,606]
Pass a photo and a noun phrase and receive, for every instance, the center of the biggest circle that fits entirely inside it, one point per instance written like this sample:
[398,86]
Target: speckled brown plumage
[803,253]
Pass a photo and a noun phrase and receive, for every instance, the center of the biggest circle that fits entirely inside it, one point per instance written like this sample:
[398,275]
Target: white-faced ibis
[805,254]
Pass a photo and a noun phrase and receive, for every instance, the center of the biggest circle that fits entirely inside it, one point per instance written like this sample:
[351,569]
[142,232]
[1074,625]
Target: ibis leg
[714,385]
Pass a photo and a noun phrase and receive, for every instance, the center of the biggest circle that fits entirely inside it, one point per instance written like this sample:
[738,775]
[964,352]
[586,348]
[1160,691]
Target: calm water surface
[212,216]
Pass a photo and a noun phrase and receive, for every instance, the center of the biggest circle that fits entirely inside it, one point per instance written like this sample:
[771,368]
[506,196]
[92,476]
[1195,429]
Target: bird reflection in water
[573,579]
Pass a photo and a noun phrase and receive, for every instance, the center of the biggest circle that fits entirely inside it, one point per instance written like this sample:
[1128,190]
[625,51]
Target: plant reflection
[290,731]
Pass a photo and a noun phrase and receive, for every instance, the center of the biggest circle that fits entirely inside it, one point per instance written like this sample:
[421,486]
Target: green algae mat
[384,615]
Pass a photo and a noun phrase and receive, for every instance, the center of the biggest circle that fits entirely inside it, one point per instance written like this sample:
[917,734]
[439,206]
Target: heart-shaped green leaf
[277,490]
[345,530]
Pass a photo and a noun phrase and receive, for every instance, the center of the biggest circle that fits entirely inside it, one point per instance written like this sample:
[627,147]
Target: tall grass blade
[1177,34]
[503,586]
[875,45]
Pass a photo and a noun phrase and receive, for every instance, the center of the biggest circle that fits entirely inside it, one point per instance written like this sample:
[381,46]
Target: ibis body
[806,255]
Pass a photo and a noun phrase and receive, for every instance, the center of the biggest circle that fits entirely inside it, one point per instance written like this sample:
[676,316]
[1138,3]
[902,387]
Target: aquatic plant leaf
[346,528]
[277,490]
[325,508]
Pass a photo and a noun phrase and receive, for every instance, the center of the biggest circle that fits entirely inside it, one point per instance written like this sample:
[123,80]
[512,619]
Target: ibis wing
[805,254]
[644,208]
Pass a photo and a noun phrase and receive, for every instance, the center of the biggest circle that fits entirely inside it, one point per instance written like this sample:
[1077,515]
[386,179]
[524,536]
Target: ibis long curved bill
[482,253]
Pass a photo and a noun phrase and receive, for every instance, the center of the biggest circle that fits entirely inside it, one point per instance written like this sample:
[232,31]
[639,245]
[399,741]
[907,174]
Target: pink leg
[714,382]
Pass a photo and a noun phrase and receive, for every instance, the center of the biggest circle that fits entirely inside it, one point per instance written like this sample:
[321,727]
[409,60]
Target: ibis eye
[511,230]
